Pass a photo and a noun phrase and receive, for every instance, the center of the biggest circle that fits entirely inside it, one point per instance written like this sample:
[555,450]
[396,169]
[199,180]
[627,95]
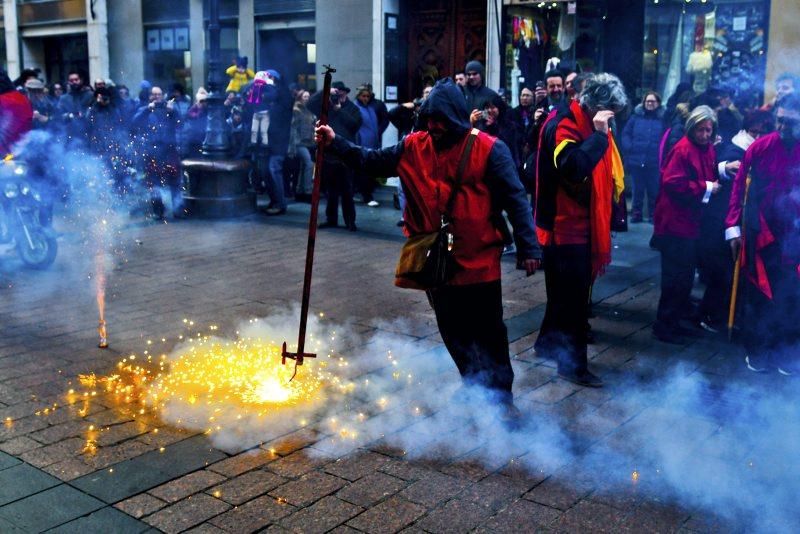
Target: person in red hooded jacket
[16,114]
[688,180]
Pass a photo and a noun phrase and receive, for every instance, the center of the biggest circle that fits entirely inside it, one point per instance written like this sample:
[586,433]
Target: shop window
[167,57]
[706,46]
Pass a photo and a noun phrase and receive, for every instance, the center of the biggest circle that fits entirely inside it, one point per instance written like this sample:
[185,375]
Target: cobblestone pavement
[142,474]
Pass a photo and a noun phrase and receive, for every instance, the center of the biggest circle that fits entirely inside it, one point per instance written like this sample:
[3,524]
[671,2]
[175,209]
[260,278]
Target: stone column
[97,39]
[126,46]
[197,43]
[12,38]
[494,59]
[247,31]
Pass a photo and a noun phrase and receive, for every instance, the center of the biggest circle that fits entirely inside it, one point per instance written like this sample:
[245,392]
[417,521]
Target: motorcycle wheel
[43,253]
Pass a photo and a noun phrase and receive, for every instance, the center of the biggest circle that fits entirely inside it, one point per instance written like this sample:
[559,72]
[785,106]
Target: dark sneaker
[328,224]
[352,227]
[584,378]
[709,326]
[754,365]
[667,334]
[275,211]
[510,416]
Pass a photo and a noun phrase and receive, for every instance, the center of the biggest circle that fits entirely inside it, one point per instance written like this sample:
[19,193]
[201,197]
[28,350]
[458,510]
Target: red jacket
[478,242]
[679,205]
[16,115]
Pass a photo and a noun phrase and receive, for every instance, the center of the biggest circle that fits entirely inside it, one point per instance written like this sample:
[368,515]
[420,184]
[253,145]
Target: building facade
[399,45]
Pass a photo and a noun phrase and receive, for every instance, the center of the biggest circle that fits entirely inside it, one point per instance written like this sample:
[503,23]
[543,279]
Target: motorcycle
[22,221]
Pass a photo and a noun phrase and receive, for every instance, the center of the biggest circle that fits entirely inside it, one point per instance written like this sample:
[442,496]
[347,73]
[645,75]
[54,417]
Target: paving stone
[296,464]
[405,470]
[588,516]
[187,513]
[494,492]
[247,486]
[104,520]
[140,505]
[307,489]
[56,452]
[114,434]
[149,470]
[355,466]
[19,445]
[321,516]
[389,516]
[23,480]
[62,504]
[186,485]
[243,462]
[55,433]
[103,457]
[433,489]
[253,515]
[370,489]
[6,461]
[558,493]
[522,516]
[69,469]
[455,516]
[205,528]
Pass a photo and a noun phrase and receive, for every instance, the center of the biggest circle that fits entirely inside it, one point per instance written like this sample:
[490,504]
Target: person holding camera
[156,122]
[345,119]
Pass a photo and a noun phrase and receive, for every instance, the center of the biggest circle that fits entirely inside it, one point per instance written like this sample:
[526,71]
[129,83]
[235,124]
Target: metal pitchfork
[312,236]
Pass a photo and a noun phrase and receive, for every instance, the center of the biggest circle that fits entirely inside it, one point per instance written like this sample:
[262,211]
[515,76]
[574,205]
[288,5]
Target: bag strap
[462,165]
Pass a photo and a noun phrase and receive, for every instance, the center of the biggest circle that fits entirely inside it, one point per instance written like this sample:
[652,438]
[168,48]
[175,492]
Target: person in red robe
[688,180]
[764,234]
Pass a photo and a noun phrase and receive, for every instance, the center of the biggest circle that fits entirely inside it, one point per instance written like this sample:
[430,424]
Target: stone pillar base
[217,188]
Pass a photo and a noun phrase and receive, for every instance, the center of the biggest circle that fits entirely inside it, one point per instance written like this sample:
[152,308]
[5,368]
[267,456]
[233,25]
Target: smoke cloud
[680,435]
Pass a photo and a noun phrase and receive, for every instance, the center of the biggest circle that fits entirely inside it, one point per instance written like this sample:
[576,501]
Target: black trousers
[470,320]
[645,181]
[339,179]
[568,281]
[771,327]
[678,263]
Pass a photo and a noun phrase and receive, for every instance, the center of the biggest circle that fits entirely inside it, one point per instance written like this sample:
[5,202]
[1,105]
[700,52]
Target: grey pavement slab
[103,521]
[149,470]
[23,480]
[6,461]
[49,508]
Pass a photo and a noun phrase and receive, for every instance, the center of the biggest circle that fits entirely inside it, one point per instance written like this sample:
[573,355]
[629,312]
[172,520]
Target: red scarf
[577,127]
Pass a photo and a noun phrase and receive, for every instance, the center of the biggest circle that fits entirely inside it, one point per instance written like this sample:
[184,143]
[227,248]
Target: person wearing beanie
[240,75]
[475,92]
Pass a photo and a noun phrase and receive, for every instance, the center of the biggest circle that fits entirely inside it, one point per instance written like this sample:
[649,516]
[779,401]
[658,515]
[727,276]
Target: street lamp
[215,144]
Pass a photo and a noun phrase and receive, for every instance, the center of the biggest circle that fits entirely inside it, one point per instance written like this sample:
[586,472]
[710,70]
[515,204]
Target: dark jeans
[770,326]
[339,179]
[568,280]
[470,320]
[366,186]
[645,181]
[678,263]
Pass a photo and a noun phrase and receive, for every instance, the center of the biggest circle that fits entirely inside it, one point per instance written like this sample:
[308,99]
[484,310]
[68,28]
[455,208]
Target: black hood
[446,102]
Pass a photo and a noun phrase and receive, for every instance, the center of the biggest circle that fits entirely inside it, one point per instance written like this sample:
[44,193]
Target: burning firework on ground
[212,384]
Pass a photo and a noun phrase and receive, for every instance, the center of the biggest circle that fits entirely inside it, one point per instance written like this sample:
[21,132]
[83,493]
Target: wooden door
[443,36]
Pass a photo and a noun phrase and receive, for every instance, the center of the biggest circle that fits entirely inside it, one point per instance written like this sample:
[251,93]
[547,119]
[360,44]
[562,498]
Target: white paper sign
[391,93]
[739,24]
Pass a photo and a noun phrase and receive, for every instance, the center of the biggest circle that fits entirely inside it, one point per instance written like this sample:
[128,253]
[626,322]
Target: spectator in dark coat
[374,121]
[157,122]
[43,108]
[640,140]
[345,119]
[280,102]
[73,105]
[476,93]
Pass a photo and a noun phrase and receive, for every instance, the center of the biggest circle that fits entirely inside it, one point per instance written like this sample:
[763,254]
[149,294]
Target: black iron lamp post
[215,186]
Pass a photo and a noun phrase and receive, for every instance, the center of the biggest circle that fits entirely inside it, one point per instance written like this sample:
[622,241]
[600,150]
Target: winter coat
[477,97]
[157,127]
[641,137]
[682,195]
[489,184]
[345,121]
[374,121]
[303,122]
[280,118]
[15,119]
[238,79]
[105,129]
